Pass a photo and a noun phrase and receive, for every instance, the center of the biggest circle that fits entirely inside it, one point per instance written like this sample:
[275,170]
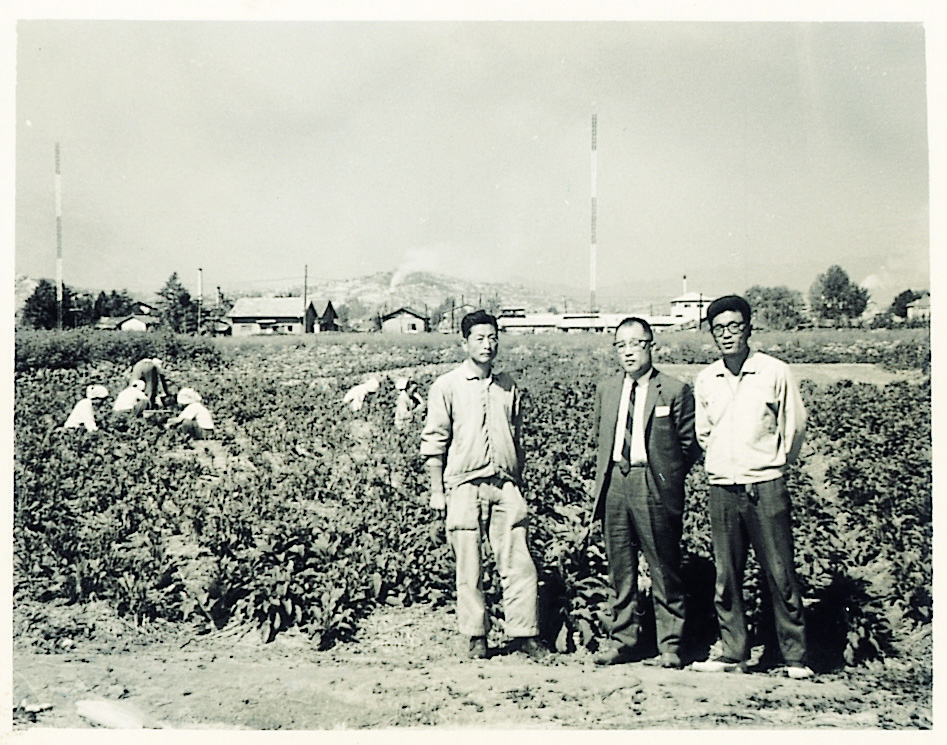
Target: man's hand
[438,500]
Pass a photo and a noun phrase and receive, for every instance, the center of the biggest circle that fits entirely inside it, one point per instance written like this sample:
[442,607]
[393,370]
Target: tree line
[174,308]
[833,299]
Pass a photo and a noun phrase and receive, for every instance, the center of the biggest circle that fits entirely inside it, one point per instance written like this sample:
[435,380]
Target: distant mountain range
[423,291]
[386,291]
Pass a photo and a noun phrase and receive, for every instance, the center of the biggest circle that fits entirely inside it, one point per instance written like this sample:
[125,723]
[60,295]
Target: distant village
[302,314]
[293,315]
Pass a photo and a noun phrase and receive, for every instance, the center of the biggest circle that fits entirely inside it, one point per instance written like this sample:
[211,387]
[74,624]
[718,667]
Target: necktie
[626,445]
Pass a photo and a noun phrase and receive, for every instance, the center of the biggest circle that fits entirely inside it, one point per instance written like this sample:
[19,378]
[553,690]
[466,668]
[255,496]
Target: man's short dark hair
[725,303]
[632,320]
[475,319]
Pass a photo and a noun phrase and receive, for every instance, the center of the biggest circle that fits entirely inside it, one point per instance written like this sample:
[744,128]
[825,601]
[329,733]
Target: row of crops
[316,514]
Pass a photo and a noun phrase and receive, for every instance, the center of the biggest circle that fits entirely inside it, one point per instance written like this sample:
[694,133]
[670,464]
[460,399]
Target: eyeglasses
[734,327]
[637,343]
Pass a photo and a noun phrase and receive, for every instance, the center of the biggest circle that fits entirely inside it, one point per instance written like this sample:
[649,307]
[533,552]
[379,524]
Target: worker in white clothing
[83,413]
[195,418]
[409,401]
[131,399]
[356,394]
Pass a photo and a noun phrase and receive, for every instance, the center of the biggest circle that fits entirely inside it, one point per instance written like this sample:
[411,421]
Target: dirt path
[405,670]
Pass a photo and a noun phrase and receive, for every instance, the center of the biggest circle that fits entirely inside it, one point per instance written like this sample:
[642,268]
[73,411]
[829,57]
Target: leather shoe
[667,660]
[530,646]
[617,656]
[478,648]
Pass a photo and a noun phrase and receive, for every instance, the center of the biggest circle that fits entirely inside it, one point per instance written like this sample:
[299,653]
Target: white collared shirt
[639,454]
[750,425]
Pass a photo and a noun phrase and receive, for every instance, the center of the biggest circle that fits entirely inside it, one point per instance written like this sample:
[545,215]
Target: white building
[920,309]
[539,323]
[279,315]
[690,307]
[403,321]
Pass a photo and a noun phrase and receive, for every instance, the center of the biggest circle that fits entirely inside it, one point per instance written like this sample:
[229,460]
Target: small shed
[136,322]
[451,317]
[403,321]
[920,309]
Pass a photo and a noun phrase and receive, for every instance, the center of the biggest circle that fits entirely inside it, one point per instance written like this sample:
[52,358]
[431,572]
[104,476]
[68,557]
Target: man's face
[633,347]
[731,332]
[482,343]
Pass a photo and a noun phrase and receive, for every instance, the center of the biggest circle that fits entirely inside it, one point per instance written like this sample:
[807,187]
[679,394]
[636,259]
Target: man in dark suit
[644,425]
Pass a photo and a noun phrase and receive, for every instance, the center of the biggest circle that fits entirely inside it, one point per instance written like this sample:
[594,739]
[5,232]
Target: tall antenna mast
[200,297]
[59,292]
[592,248]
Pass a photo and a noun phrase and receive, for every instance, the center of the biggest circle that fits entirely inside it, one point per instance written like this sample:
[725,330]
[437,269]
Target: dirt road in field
[405,670]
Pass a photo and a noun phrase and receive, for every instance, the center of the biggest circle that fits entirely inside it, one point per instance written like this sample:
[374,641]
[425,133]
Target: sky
[736,153]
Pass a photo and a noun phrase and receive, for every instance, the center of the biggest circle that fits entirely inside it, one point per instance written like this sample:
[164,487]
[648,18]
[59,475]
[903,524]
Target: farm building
[403,321]
[539,323]
[451,318]
[280,315]
[920,309]
[690,307]
[136,322]
[214,326]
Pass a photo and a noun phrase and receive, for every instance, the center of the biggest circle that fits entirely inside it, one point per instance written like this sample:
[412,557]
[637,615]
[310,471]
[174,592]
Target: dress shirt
[474,421]
[639,454]
[750,425]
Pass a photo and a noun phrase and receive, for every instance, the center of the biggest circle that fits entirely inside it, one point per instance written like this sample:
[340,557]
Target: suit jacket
[670,441]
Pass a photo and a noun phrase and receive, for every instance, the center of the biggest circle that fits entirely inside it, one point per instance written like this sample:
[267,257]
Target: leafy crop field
[304,517]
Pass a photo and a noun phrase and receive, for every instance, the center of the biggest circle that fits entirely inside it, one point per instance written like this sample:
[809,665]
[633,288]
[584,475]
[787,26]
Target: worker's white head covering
[372,384]
[157,362]
[139,384]
[401,384]
[188,396]
[96,391]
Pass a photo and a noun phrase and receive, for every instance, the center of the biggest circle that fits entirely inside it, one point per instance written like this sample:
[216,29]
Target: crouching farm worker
[355,396]
[471,443]
[194,419]
[83,413]
[131,399]
[151,371]
[407,402]
[750,420]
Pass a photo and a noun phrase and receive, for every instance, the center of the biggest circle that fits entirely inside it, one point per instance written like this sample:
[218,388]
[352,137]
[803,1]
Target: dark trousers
[760,517]
[637,519]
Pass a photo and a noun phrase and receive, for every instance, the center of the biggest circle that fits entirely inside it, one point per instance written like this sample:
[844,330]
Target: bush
[74,348]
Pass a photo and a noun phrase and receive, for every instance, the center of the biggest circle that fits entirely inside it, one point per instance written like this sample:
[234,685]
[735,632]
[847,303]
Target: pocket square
[662,410]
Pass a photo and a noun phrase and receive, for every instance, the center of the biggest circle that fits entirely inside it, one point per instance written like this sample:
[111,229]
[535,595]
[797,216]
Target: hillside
[419,290]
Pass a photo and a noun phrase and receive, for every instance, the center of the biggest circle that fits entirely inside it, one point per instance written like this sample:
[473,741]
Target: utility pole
[200,298]
[305,295]
[59,292]
[593,247]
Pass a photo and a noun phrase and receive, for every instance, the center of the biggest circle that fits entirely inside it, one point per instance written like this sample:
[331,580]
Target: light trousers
[494,509]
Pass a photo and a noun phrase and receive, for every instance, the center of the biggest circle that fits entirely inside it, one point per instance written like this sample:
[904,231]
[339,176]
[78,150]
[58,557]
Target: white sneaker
[719,665]
[799,672]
